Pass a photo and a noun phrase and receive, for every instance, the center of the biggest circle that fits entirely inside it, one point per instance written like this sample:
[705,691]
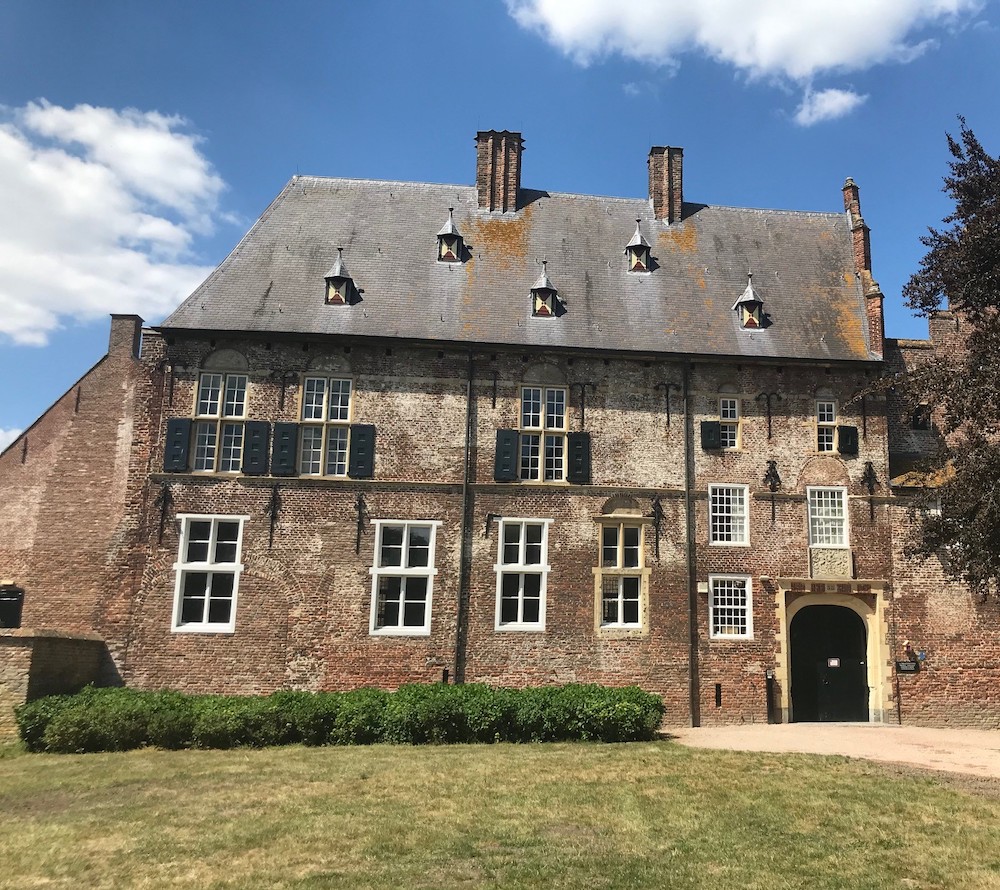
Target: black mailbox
[11,603]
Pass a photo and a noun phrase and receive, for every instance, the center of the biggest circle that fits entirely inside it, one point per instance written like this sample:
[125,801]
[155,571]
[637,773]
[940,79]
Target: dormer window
[339,284]
[450,243]
[750,307]
[637,252]
[544,297]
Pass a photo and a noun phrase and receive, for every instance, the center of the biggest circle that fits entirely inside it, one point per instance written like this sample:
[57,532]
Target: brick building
[412,432]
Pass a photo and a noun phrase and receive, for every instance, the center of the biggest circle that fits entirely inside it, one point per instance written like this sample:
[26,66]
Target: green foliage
[961,273]
[122,719]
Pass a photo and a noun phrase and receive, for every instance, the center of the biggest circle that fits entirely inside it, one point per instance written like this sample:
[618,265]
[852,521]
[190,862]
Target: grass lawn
[570,815]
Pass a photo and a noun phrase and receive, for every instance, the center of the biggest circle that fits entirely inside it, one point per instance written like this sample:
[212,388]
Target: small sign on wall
[907,667]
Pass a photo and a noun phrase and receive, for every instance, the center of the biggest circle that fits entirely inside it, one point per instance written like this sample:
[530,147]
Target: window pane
[416,602]
[555,447]
[236,395]
[533,544]
[631,549]
[231,458]
[531,407]
[392,545]
[312,398]
[609,547]
[311,453]
[555,409]
[729,607]
[824,438]
[194,585]
[419,549]
[510,585]
[199,533]
[204,445]
[729,409]
[511,543]
[610,600]
[209,388]
[826,412]
[340,399]
[389,596]
[630,600]
[530,451]
[531,608]
[336,451]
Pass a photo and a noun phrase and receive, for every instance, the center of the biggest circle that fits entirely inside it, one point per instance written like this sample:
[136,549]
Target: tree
[961,273]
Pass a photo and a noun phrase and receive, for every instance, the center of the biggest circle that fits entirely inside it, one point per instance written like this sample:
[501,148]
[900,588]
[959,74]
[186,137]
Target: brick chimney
[861,244]
[126,335]
[666,182]
[498,169]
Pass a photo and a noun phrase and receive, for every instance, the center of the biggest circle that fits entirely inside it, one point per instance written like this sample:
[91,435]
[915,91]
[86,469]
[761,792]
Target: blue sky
[138,141]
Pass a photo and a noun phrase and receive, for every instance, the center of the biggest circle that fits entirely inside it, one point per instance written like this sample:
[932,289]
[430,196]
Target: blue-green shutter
[578,470]
[711,435]
[284,449]
[175,452]
[361,451]
[847,439]
[255,436]
[505,461]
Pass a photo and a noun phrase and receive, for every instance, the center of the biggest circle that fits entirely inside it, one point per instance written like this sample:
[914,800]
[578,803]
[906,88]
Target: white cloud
[8,436]
[826,105]
[760,38]
[99,213]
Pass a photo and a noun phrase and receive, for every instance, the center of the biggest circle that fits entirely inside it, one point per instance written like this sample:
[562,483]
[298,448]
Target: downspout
[466,536]
[689,541]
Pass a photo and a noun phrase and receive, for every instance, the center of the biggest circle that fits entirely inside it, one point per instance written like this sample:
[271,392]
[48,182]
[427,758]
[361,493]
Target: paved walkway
[973,752]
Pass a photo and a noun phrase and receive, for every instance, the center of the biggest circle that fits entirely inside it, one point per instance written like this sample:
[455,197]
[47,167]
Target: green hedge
[121,719]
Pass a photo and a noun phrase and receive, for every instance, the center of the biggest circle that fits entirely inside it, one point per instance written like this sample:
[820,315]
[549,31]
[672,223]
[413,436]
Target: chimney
[498,169]
[666,182]
[861,245]
[126,334]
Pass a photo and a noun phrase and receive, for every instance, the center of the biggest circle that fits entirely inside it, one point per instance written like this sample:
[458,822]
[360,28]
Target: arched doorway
[829,670]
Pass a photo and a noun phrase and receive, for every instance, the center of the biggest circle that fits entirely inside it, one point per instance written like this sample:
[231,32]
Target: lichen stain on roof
[505,240]
[848,278]
[847,324]
[682,237]
[697,275]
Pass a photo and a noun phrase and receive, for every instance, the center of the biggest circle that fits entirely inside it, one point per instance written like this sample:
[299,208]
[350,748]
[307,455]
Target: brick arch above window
[822,471]
[544,373]
[331,364]
[225,360]
[621,504]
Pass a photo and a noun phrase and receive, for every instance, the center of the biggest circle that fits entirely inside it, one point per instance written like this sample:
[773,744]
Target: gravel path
[973,752]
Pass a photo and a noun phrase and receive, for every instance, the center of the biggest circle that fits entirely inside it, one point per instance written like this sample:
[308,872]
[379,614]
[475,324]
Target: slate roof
[802,264]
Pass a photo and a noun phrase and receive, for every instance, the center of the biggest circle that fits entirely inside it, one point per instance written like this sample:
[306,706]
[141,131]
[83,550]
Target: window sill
[400,632]
[204,629]
[520,628]
[730,638]
[742,545]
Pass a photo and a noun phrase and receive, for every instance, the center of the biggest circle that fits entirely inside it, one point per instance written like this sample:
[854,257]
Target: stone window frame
[328,425]
[216,421]
[826,415]
[521,569]
[719,613]
[730,421]
[212,567]
[717,516]
[381,571]
[542,446]
[825,539]
[620,572]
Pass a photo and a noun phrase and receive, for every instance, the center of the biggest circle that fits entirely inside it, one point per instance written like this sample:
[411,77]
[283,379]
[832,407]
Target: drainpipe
[466,536]
[689,542]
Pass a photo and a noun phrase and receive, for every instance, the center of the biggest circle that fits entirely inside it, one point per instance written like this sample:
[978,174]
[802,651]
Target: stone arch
[822,471]
[225,360]
[330,364]
[623,504]
[544,373]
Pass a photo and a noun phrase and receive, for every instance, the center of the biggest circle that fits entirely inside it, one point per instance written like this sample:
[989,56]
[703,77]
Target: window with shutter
[505,460]
[284,448]
[578,471]
[255,447]
[847,440]
[711,435]
[175,454]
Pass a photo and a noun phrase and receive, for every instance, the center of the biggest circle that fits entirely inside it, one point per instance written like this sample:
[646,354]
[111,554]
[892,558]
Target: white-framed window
[826,425]
[827,517]
[220,410]
[522,568]
[207,573]
[325,430]
[728,521]
[543,433]
[620,576]
[730,607]
[729,421]
[403,577]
